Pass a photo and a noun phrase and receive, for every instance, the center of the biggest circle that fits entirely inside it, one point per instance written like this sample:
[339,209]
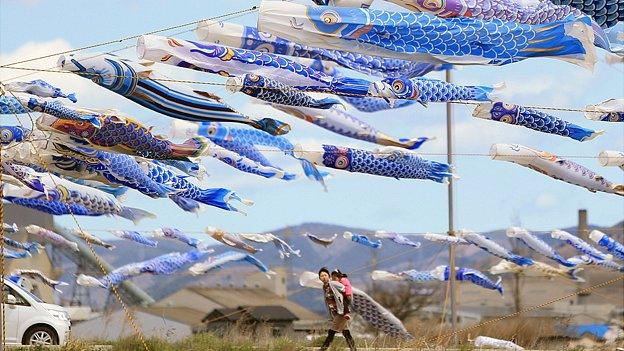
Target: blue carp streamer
[579,244]
[73,202]
[340,122]
[537,12]
[555,167]
[139,83]
[387,162]
[397,238]
[602,239]
[39,88]
[611,110]
[226,61]
[217,197]
[533,119]
[234,35]
[538,245]
[362,239]
[14,255]
[176,234]
[426,90]
[442,273]
[493,248]
[135,236]
[243,142]
[10,228]
[587,260]
[227,257]
[272,91]
[28,246]
[161,265]
[123,135]
[422,36]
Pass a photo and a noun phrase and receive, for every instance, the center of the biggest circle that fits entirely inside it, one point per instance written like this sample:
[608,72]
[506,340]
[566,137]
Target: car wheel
[40,335]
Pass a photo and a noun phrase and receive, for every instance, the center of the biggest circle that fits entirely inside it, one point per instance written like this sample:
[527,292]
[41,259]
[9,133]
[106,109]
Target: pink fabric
[347,285]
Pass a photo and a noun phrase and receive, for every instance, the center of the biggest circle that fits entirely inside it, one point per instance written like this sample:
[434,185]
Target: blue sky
[489,195]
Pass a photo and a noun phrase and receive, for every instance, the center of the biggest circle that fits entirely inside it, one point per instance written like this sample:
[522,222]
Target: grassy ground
[243,342]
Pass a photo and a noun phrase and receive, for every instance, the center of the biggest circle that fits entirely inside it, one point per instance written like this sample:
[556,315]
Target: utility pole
[451,218]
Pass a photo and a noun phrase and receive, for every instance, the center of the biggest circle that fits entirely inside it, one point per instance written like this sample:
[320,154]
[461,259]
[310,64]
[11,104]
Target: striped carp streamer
[488,342]
[580,245]
[533,119]
[250,38]
[231,240]
[425,37]
[611,110]
[33,274]
[425,90]
[272,91]
[538,245]
[226,61]
[38,88]
[92,239]
[46,236]
[369,309]
[602,239]
[178,235]
[362,240]
[397,238]
[161,265]
[538,269]
[493,248]
[611,158]
[135,236]
[19,105]
[139,83]
[227,257]
[554,167]
[321,241]
[441,273]
[387,162]
[340,122]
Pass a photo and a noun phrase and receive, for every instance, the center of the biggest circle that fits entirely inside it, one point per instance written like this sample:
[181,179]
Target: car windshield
[30,294]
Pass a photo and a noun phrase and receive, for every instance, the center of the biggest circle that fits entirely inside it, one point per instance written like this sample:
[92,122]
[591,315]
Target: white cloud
[546,201]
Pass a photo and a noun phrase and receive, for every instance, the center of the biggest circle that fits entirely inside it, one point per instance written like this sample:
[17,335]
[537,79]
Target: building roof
[235,297]
[256,313]
[184,315]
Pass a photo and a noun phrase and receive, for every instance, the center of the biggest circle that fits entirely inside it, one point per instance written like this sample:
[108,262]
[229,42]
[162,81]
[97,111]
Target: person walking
[334,296]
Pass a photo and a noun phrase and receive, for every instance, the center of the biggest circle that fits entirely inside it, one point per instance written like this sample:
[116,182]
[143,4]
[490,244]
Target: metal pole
[451,223]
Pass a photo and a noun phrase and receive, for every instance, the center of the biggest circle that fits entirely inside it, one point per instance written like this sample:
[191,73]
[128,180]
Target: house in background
[278,319]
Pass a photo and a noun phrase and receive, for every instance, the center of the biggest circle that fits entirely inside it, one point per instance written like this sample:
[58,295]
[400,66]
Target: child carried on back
[340,277]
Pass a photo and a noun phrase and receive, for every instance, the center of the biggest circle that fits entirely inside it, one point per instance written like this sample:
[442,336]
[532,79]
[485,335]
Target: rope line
[318,90]
[249,10]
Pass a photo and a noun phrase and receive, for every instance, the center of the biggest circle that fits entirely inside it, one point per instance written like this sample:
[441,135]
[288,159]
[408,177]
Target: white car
[30,321]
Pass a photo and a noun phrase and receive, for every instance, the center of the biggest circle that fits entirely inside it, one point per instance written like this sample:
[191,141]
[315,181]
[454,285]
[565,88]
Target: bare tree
[404,299]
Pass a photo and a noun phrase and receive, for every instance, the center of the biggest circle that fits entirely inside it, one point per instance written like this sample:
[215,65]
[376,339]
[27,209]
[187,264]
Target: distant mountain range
[356,260]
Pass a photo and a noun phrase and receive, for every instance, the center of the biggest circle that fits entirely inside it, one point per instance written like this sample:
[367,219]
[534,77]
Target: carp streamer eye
[433,4]
[507,119]
[254,78]
[7,135]
[212,130]
[330,17]
[398,86]
[342,162]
